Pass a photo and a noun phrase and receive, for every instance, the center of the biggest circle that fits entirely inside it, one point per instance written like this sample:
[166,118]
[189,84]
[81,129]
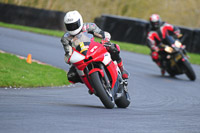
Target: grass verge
[32,29]
[15,72]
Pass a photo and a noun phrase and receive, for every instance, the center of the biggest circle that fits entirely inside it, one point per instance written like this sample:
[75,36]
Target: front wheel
[188,70]
[171,73]
[104,94]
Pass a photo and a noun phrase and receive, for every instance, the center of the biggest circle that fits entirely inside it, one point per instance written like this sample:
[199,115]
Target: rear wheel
[104,94]
[189,70]
[123,101]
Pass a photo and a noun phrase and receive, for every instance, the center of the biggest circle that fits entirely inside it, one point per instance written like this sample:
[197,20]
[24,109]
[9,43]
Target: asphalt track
[158,104]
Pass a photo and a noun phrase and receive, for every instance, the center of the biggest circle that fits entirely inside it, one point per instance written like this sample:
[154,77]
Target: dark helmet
[155,21]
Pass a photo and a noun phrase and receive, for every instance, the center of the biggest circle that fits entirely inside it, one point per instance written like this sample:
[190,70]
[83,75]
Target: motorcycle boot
[162,71]
[162,67]
[125,74]
[160,64]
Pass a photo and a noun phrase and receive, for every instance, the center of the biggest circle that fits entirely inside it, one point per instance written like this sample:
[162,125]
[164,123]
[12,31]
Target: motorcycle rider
[74,26]
[156,36]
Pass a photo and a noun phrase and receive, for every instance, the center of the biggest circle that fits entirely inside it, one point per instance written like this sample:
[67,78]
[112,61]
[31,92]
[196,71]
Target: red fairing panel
[80,65]
[85,80]
[97,70]
[112,68]
[95,50]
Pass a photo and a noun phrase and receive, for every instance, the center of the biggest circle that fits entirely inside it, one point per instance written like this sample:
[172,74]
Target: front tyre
[189,70]
[104,95]
[171,73]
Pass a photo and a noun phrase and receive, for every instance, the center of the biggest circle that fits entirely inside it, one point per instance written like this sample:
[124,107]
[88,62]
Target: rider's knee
[155,56]
[73,76]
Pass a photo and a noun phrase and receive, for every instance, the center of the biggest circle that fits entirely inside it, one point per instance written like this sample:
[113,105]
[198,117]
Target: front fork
[104,76]
[107,81]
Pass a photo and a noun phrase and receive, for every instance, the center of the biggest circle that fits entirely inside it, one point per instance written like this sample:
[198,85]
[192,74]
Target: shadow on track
[78,105]
[177,78]
[82,105]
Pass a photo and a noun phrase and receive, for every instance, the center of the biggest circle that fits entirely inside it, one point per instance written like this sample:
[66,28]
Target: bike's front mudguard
[86,79]
[111,67]
[177,63]
[97,70]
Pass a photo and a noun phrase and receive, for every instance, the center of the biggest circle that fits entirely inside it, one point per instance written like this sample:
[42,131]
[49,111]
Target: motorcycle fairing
[107,59]
[112,68]
[95,53]
[75,57]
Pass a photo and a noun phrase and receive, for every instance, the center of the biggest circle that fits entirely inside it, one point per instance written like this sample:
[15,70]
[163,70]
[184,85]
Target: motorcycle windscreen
[83,47]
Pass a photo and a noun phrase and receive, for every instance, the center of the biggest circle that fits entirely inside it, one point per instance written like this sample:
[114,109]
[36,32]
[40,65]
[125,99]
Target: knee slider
[155,56]
[71,76]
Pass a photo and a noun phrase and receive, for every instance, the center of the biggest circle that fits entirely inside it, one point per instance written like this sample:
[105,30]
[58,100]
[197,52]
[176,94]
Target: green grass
[142,49]
[15,72]
[136,48]
[33,29]
[194,58]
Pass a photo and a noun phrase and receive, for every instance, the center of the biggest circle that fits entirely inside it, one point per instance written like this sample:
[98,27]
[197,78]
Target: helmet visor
[73,26]
[155,24]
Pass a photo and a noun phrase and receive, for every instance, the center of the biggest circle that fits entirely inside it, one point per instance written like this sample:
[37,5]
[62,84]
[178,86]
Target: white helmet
[73,22]
[155,21]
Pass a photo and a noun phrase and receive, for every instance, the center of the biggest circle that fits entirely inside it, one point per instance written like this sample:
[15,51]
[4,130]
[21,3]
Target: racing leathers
[156,37]
[113,49]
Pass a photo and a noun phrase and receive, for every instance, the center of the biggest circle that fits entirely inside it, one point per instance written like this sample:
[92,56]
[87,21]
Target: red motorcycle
[99,72]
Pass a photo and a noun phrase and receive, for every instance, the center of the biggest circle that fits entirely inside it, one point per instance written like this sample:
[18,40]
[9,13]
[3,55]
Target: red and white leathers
[156,37]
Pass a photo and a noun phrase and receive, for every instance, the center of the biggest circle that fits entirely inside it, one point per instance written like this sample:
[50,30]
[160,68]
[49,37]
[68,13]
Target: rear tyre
[124,100]
[189,70]
[99,87]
